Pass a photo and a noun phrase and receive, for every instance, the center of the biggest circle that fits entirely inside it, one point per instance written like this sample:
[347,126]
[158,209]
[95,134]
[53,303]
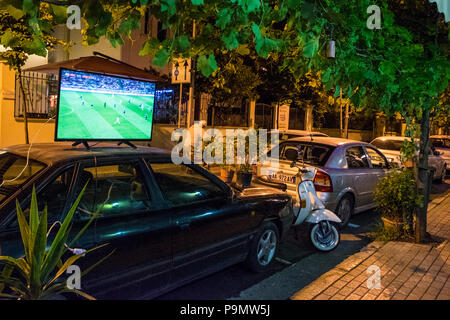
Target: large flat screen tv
[98,107]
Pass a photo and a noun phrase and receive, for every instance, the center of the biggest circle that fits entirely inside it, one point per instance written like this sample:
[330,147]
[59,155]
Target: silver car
[347,172]
[442,144]
[390,146]
[286,134]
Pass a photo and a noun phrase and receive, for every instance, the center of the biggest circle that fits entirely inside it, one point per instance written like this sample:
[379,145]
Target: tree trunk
[25,109]
[423,181]
[346,120]
[340,113]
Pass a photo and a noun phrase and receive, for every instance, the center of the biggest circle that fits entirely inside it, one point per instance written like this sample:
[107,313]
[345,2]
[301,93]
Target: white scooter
[323,231]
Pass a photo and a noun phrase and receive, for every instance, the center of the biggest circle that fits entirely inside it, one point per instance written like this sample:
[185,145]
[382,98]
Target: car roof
[395,138]
[299,132]
[50,153]
[331,141]
[440,136]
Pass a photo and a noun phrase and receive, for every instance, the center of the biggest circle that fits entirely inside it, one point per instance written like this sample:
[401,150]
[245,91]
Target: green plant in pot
[244,175]
[396,199]
[38,274]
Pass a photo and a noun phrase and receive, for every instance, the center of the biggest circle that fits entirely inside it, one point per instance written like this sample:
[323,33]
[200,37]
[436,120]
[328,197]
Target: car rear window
[313,154]
[385,144]
[440,143]
[14,172]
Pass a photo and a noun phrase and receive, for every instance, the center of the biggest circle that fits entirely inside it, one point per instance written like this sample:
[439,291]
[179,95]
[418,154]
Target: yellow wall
[12,131]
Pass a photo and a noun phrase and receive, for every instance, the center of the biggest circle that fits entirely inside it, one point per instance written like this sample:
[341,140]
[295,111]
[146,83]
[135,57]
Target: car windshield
[14,173]
[313,154]
[388,144]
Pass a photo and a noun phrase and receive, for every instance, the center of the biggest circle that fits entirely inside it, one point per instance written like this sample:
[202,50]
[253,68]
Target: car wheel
[263,248]
[344,210]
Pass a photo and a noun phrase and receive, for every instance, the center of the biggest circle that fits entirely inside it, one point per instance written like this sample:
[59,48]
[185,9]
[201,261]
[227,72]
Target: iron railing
[41,93]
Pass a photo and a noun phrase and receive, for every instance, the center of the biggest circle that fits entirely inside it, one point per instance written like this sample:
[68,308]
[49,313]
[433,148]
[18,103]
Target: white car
[442,144]
[286,134]
[390,146]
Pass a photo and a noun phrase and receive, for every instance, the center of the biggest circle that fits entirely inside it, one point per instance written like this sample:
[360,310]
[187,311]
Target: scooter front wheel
[324,236]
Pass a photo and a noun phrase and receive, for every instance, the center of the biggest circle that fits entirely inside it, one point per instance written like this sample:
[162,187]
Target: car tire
[263,248]
[344,210]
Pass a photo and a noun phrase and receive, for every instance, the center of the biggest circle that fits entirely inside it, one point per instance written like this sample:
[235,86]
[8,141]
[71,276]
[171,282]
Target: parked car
[168,223]
[347,172]
[442,144]
[390,146]
[286,134]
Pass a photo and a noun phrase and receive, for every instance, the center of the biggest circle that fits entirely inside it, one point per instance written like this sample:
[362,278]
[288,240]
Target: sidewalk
[408,271]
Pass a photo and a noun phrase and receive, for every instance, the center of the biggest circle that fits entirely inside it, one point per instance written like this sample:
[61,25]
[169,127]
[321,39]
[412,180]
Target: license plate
[282,178]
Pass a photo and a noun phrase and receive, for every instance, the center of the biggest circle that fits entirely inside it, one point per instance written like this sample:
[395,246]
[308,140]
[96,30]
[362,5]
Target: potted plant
[396,198]
[38,274]
[244,175]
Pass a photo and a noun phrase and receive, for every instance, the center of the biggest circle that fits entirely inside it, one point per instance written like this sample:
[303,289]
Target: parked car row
[171,223]
[168,224]
[347,170]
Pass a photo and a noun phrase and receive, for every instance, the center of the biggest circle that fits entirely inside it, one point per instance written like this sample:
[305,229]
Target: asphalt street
[296,265]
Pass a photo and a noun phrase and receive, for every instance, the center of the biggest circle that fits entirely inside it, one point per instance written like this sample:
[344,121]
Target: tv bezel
[101,139]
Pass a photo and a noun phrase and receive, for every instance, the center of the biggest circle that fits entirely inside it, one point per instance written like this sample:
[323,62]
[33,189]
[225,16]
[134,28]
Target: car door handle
[183,223]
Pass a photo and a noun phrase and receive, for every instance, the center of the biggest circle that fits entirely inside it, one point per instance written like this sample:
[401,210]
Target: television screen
[94,106]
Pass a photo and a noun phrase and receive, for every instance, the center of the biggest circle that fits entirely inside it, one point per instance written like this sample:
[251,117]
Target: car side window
[377,159]
[53,195]
[117,189]
[356,158]
[182,185]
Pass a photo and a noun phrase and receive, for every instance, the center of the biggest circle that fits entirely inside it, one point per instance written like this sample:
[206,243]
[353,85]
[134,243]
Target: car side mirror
[291,154]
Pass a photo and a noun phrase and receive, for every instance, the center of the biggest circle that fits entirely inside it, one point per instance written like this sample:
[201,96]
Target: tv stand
[84,143]
[128,143]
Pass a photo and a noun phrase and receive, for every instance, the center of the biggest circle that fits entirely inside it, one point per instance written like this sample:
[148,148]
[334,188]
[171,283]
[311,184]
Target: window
[312,154]
[378,161]
[356,158]
[181,185]
[13,173]
[112,190]
[386,144]
[54,196]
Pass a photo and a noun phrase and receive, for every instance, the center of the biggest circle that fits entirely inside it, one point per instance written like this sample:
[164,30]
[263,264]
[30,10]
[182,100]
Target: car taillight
[322,182]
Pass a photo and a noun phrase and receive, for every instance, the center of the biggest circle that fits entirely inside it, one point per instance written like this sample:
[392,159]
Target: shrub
[396,197]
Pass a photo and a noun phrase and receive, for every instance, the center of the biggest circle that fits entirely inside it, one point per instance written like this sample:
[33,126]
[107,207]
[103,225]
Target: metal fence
[41,93]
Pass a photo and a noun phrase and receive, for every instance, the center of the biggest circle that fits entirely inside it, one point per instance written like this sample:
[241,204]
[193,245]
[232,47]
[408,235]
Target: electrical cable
[28,154]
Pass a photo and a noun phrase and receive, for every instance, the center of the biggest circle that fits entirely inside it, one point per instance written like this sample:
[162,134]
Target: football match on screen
[95,107]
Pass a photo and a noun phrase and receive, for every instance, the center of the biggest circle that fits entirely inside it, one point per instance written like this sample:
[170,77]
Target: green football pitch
[89,115]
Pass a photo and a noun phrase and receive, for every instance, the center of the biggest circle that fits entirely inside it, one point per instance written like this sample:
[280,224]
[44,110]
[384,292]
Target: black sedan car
[166,224]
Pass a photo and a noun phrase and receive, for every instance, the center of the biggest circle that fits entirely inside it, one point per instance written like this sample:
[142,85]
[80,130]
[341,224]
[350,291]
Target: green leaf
[264,46]
[57,247]
[256,30]
[169,6]
[230,40]
[16,13]
[183,42]
[197,2]
[161,58]
[311,48]
[150,47]
[207,65]
[223,18]
[128,25]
